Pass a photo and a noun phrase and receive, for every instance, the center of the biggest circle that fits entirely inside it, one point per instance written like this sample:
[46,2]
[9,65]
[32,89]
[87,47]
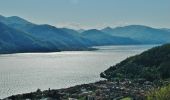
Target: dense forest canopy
[151,65]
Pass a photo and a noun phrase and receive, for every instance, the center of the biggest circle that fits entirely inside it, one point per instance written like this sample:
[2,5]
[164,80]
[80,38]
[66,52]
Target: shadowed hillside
[151,65]
[15,41]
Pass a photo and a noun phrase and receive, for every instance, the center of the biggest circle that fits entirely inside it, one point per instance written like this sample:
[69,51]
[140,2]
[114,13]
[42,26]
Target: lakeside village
[103,90]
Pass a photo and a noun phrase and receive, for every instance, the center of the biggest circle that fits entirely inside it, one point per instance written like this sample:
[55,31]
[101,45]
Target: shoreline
[88,49]
[93,48]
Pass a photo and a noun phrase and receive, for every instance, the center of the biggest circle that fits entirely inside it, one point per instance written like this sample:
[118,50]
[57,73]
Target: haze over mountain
[52,38]
[101,38]
[166,29]
[143,34]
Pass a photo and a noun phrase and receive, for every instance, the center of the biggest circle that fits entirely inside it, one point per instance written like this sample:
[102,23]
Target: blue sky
[90,13]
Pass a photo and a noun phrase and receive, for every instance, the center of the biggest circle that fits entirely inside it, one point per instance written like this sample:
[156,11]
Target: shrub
[159,94]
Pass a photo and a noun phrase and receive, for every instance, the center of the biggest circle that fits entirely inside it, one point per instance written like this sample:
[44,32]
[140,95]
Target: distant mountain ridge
[166,29]
[16,22]
[59,39]
[51,35]
[15,41]
[101,38]
[143,34]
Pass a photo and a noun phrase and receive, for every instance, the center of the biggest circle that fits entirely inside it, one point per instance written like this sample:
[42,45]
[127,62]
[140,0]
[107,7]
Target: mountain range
[143,34]
[12,41]
[101,38]
[19,35]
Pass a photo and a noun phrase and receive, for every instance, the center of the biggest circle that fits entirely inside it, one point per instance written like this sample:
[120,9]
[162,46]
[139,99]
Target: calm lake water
[22,73]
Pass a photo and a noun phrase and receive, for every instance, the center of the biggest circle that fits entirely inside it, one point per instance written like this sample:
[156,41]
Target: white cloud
[69,25]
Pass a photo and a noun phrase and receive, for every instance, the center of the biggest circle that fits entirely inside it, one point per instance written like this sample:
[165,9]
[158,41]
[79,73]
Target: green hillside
[151,65]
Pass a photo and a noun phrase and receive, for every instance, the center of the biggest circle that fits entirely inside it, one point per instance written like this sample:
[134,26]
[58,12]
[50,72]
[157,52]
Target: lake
[26,72]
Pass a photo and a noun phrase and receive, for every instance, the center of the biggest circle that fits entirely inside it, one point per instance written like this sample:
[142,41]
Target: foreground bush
[160,94]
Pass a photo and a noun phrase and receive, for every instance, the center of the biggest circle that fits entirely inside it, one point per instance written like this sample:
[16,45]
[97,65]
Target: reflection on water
[21,73]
